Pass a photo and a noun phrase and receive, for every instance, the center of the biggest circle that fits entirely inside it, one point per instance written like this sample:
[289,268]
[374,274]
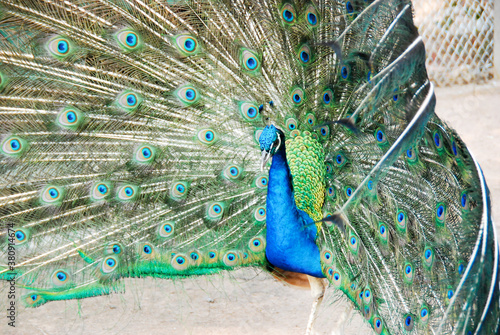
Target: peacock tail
[130,148]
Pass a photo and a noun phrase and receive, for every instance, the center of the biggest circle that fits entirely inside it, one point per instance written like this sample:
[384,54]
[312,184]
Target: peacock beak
[264,158]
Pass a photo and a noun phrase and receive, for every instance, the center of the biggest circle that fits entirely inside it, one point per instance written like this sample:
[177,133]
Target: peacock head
[270,143]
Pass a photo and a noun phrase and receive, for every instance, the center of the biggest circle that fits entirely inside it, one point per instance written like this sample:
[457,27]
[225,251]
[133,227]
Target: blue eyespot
[297,98]
[211,254]
[62,46]
[20,235]
[53,193]
[323,131]
[370,185]
[146,152]
[408,321]
[349,7]
[287,15]
[194,256]
[33,297]
[190,94]
[304,56]
[378,323]
[344,72]
[251,63]
[348,191]
[428,254]
[233,171]
[216,209]
[450,294]
[102,189]
[116,249]
[401,217]
[367,293]
[353,240]
[129,191]
[167,228]
[339,159]
[111,262]
[61,276]
[131,100]
[463,200]
[330,271]
[209,136]
[71,117]
[423,312]
[147,249]
[262,211]
[440,210]
[312,19]
[231,257]
[131,39]
[408,269]
[189,44]
[256,243]
[454,148]
[15,145]
[326,98]
[409,153]
[180,260]
[380,136]
[251,112]
[395,97]
[382,230]
[336,276]
[437,140]
[460,268]
[369,76]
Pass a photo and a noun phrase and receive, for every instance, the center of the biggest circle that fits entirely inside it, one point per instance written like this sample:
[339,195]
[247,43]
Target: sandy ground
[249,302]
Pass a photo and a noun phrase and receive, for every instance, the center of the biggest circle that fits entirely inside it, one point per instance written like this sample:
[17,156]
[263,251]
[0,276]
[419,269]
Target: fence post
[496,38]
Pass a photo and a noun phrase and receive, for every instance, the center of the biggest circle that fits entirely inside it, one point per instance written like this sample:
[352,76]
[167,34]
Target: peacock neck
[291,233]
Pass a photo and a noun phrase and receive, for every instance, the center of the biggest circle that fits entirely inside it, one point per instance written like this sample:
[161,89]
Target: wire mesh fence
[458,36]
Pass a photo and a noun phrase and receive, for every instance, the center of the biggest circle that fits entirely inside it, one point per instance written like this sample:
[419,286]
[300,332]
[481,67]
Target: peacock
[180,138]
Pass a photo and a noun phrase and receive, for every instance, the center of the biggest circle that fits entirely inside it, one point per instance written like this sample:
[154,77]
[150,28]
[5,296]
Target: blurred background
[460,42]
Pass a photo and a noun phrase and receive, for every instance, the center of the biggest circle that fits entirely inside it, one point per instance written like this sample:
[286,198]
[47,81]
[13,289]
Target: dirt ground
[249,302]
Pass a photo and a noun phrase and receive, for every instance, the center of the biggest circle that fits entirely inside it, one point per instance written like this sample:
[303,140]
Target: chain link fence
[458,36]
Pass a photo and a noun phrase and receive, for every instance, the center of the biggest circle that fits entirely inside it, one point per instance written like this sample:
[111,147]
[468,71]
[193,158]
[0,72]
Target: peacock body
[136,138]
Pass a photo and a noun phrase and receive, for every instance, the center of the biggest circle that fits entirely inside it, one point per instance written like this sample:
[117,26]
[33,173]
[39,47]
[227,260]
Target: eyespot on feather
[249,111]
[127,192]
[207,136]
[180,262]
[291,124]
[304,55]
[101,191]
[69,118]
[179,190]
[311,16]
[297,96]
[60,47]
[128,40]
[261,181]
[187,44]
[260,214]
[215,211]
[231,258]
[250,61]
[109,264]
[129,101]
[166,229]
[20,236]
[257,244]
[187,95]
[52,195]
[146,250]
[232,172]
[288,15]
[14,146]
[60,278]
[145,154]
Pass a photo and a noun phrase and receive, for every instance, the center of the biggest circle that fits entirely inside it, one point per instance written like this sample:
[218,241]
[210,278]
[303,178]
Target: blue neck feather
[291,233]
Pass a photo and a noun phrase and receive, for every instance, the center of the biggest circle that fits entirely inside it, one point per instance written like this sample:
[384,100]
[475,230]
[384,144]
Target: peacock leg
[318,288]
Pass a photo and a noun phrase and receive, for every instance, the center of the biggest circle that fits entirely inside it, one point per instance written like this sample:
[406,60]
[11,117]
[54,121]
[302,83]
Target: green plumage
[129,148]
